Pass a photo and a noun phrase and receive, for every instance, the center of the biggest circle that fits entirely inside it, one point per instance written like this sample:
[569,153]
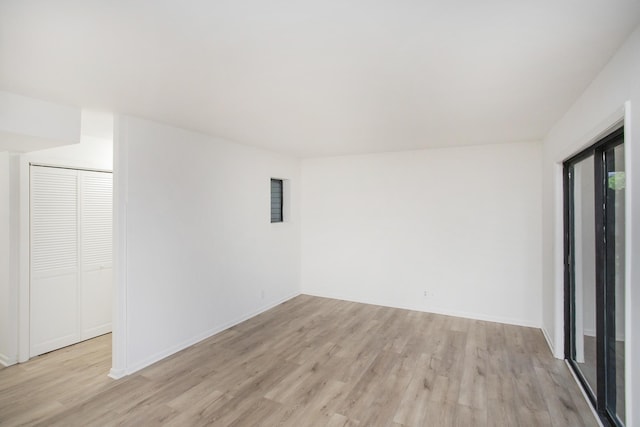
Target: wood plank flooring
[311,362]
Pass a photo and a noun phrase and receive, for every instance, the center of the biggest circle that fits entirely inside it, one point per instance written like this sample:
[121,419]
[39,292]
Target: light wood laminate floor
[312,362]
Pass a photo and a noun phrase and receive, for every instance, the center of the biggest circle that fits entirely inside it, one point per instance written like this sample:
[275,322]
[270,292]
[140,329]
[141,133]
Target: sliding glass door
[615,237]
[594,273]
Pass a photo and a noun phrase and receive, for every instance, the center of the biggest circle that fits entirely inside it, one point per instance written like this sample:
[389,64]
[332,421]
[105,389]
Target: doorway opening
[594,254]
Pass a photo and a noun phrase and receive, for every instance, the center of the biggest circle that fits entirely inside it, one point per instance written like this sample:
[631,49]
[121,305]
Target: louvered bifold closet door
[54,296]
[71,256]
[96,190]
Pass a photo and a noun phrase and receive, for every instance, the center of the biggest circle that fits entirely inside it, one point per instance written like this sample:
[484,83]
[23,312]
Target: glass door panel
[615,235]
[584,253]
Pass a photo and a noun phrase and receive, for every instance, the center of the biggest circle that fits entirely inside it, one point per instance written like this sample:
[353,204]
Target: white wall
[4,261]
[461,223]
[599,107]
[201,253]
[28,124]
[95,150]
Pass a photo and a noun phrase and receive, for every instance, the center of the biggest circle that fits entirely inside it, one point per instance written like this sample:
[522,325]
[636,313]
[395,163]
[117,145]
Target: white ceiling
[320,77]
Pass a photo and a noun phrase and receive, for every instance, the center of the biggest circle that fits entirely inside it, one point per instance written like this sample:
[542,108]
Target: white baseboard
[547,338]
[119,373]
[116,374]
[7,361]
[434,310]
[97,331]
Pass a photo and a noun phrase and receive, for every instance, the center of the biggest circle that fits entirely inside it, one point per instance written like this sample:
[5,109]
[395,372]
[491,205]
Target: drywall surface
[9,213]
[201,253]
[615,93]
[459,224]
[5,350]
[91,153]
[28,124]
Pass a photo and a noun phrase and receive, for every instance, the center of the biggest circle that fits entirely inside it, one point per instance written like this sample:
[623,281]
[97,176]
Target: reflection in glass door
[594,273]
[584,254]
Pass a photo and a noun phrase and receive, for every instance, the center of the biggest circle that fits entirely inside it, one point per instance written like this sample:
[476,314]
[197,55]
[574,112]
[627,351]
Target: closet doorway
[71,266]
[594,206]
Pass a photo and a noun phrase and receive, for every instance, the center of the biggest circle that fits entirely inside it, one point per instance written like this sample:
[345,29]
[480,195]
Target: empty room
[329,213]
